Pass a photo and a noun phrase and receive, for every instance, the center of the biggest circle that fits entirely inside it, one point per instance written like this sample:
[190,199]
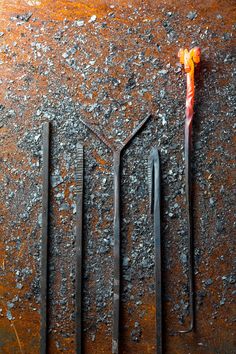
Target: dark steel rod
[79,249]
[156,210]
[158,258]
[116,290]
[44,244]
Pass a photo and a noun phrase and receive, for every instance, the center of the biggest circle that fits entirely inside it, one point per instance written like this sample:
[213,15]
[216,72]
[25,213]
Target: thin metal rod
[116,290]
[189,58]
[79,249]
[45,235]
[155,190]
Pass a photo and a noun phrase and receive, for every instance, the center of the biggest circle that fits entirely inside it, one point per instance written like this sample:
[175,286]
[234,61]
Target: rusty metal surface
[112,63]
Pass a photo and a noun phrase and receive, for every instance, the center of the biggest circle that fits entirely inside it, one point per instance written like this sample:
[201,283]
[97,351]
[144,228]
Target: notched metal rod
[44,242]
[154,176]
[79,177]
[117,158]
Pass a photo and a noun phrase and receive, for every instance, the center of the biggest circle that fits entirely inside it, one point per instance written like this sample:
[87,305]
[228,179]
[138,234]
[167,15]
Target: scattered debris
[93,18]
[115,73]
[136,333]
[192,15]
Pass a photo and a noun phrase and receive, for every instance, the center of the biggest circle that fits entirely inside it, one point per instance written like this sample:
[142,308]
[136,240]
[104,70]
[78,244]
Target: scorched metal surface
[112,62]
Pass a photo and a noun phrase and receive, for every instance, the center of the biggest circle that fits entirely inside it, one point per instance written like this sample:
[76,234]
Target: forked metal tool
[188,58]
[79,247]
[44,242]
[154,174]
[116,157]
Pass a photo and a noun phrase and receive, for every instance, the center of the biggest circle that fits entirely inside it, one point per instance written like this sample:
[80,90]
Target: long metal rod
[117,275]
[158,258]
[189,58]
[155,186]
[116,290]
[79,249]
[45,235]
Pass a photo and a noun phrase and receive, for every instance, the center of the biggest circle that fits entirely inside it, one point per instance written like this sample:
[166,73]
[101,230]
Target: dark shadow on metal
[44,242]
[117,243]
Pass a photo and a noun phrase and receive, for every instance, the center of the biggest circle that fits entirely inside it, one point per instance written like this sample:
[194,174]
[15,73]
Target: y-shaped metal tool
[116,291]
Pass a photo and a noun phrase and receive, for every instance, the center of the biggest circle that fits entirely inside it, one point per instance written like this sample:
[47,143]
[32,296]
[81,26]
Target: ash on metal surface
[112,70]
